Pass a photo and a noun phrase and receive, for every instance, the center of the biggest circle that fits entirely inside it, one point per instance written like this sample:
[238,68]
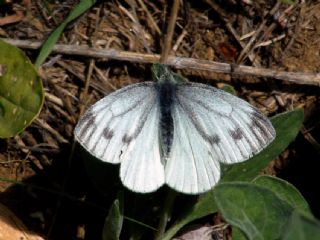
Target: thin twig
[84,93]
[168,37]
[51,130]
[149,15]
[312,79]
[104,78]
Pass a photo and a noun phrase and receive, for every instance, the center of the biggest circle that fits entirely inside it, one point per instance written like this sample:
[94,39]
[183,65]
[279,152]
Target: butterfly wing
[123,128]
[211,126]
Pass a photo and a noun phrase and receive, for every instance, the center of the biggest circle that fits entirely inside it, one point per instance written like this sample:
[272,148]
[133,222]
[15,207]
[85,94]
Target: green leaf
[302,227]
[83,6]
[248,170]
[256,210]
[21,92]
[113,223]
[237,234]
[285,191]
[288,1]
[230,89]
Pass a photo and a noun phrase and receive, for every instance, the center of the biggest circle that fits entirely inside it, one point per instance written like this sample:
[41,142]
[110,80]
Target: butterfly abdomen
[166,95]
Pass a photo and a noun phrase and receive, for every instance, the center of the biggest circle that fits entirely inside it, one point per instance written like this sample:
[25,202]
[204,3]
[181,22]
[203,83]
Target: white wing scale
[123,128]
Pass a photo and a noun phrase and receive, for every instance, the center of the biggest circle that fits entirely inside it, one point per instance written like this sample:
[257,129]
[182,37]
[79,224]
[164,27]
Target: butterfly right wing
[211,127]
[123,128]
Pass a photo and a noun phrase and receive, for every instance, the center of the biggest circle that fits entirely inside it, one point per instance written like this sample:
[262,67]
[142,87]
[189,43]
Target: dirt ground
[54,195]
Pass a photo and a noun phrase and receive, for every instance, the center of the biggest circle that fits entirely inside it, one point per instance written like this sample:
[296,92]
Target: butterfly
[172,131]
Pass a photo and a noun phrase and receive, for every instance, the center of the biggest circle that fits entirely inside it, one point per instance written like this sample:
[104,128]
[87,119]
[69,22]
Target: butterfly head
[162,74]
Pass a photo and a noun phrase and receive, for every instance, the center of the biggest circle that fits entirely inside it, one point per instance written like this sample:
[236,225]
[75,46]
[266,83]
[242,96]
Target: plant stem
[165,214]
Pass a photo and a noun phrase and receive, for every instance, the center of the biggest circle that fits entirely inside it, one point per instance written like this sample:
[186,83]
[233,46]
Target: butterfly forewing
[123,127]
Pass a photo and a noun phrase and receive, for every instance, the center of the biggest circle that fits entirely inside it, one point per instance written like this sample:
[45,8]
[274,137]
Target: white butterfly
[172,131]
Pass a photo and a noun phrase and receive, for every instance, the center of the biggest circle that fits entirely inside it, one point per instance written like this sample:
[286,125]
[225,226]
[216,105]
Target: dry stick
[136,26]
[149,15]
[86,87]
[104,78]
[43,124]
[312,79]
[168,37]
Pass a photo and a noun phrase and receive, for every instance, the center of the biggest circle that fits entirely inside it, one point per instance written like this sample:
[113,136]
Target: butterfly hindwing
[123,128]
[141,169]
[191,167]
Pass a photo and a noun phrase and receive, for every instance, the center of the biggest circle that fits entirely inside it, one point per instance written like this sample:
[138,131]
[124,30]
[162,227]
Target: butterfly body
[172,131]
[166,92]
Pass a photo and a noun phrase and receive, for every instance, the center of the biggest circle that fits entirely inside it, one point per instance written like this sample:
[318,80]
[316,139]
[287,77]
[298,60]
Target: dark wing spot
[236,134]
[127,139]
[107,133]
[214,139]
[88,121]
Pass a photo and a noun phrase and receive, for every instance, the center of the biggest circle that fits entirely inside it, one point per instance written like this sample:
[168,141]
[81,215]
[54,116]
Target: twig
[312,79]
[51,130]
[84,92]
[179,40]
[266,43]
[168,37]
[149,15]
[136,26]
[104,78]
[54,99]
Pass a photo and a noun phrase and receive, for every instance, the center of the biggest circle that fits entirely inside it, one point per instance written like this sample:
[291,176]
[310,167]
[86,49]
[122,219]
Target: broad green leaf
[256,210]
[21,93]
[113,223]
[302,227]
[246,171]
[285,191]
[82,6]
[237,234]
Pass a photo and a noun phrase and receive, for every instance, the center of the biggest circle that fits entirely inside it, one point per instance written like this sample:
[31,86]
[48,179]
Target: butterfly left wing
[211,126]
[123,127]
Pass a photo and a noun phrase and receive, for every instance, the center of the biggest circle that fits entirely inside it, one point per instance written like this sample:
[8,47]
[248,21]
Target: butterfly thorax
[166,96]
